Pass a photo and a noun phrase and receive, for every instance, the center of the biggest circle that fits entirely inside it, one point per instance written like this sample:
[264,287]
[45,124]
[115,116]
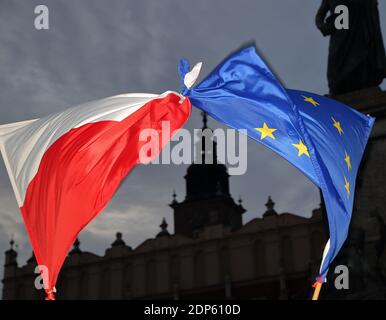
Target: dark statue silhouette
[356,58]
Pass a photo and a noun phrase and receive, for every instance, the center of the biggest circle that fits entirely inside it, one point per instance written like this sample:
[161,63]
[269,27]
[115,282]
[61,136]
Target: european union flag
[323,138]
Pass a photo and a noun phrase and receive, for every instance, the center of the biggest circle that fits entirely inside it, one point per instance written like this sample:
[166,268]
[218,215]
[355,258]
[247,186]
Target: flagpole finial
[11,242]
[191,77]
[188,76]
[318,286]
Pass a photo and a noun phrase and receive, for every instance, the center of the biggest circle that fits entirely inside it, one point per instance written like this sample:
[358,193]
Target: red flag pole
[317,286]
[50,294]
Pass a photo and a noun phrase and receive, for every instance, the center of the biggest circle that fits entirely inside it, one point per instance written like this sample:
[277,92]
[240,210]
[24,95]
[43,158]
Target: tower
[208,200]
[10,269]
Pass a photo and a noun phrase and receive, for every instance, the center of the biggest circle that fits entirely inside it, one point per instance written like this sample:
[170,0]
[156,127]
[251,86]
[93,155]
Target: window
[224,262]
[105,288]
[286,253]
[199,268]
[316,245]
[175,270]
[259,257]
[127,276]
[84,283]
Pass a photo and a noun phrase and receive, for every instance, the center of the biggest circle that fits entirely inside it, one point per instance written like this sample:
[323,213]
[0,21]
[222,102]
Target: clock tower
[208,200]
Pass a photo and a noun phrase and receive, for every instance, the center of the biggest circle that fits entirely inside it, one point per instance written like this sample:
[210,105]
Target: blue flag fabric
[323,138]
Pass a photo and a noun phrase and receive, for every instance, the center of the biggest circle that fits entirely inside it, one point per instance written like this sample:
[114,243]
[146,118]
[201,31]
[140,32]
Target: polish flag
[65,168]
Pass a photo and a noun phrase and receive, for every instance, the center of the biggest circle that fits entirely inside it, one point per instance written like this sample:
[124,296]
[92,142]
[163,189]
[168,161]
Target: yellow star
[302,148]
[310,100]
[347,186]
[336,124]
[266,132]
[347,159]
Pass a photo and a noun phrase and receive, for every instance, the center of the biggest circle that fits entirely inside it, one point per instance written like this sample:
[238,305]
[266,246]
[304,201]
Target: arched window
[316,245]
[224,262]
[105,284]
[259,256]
[151,276]
[62,287]
[21,291]
[127,278]
[84,283]
[286,253]
[175,270]
[199,268]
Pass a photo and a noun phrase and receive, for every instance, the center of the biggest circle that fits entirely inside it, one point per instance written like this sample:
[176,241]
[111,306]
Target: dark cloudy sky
[99,48]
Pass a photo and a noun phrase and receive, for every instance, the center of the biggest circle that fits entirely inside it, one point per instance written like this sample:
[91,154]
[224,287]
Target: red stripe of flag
[80,172]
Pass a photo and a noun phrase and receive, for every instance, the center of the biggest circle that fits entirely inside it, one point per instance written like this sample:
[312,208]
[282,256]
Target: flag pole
[319,281]
[50,294]
[317,286]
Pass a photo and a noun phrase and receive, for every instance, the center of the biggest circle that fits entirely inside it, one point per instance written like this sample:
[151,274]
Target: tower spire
[208,145]
[164,229]
[11,243]
[174,196]
[76,247]
[204,120]
[270,208]
[118,240]
[11,254]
